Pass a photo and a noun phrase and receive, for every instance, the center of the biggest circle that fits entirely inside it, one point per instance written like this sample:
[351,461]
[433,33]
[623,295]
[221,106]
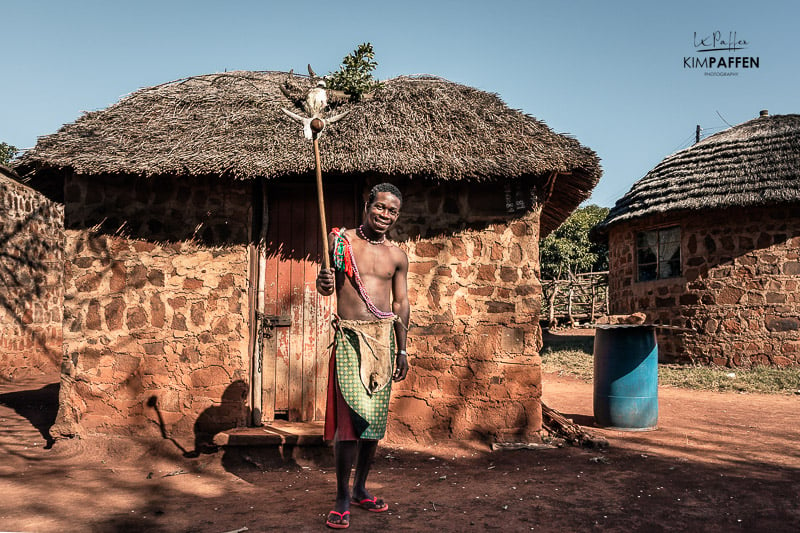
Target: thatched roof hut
[192,246]
[754,163]
[709,240]
[231,124]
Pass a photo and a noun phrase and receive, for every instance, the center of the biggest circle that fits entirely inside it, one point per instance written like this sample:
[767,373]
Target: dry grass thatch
[754,163]
[231,124]
[9,173]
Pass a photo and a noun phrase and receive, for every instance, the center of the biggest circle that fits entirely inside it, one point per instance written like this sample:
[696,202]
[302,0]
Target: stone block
[189,354]
[779,324]
[428,249]
[521,228]
[509,274]
[754,298]
[421,268]
[179,322]
[782,361]
[496,253]
[444,272]
[234,306]
[192,283]
[220,326]
[792,268]
[137,277]
[154,348]
[137,318]
[486,290]
[92,321]
[88,283]
[126,364]
[527,290]
[487,272]
[792,347]
[458,249]
[502,293]
[463,307]
[198,313]
[776,298]
[500,307]
[213,376]
[512,340]
[155,277]
[177,302]
[157,311]
[118,276]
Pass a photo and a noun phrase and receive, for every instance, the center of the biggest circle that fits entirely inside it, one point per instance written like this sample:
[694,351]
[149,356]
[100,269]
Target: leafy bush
[354,77]
[568,250]
[7,152]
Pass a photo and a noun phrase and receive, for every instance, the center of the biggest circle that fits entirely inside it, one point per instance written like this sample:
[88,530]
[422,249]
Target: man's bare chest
[374,260]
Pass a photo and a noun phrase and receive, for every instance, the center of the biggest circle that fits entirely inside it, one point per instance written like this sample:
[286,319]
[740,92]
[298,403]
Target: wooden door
[296,353]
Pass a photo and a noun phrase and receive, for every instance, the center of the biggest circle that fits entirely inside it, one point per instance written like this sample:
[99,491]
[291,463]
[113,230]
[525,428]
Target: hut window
[658,253]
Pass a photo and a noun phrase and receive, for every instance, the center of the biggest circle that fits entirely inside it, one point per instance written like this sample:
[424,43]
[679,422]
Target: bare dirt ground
[718,462]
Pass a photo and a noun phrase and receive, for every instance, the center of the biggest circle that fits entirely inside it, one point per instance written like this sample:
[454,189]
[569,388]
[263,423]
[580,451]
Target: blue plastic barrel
[626,377]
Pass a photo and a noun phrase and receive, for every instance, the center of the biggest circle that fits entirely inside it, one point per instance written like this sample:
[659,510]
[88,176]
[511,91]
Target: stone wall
[738,291]
[31,296]
[475,298]
[156,315]
[156,306]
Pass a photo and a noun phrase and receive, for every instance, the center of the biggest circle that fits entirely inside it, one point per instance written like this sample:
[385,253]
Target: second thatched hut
[709,240]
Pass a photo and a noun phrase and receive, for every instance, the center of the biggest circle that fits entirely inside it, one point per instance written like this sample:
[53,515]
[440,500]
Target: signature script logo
[718,41]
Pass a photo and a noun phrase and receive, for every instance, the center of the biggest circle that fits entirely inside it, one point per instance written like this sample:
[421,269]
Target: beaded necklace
[344,260]
[360,231]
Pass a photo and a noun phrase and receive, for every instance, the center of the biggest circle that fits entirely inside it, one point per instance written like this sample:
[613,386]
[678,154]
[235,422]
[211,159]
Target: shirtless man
[370,282]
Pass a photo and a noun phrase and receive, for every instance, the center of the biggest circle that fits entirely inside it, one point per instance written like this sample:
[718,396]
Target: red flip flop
[373,505]
[343,522]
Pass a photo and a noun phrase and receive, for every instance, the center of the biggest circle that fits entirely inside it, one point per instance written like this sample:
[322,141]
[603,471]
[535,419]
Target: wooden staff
[311,130]
[316,126]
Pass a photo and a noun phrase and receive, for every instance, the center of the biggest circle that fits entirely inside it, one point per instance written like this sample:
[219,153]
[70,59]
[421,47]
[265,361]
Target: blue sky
[609,73]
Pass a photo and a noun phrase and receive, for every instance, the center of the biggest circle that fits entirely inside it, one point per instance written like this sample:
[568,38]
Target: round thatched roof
[231,124]
[754,163]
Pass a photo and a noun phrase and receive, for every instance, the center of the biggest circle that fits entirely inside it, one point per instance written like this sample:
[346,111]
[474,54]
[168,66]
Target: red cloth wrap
[338,421]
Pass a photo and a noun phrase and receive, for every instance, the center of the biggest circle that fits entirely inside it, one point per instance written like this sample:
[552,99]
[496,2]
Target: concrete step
[276,433]
[275,445]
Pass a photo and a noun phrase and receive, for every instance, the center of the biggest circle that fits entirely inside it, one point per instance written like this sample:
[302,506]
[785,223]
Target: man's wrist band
[402,352]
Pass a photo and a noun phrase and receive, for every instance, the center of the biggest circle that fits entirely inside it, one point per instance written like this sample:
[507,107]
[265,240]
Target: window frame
[661,239]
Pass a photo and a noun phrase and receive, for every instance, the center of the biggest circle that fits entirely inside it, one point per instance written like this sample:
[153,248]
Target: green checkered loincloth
[368,397]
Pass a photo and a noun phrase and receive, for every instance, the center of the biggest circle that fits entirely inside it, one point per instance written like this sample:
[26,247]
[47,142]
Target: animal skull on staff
[315,104]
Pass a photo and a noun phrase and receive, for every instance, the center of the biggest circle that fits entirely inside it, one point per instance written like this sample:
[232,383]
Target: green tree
[354,77]
[568,249]
[7,152]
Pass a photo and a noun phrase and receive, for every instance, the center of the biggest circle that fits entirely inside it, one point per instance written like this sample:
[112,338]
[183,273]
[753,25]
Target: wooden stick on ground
[569,430]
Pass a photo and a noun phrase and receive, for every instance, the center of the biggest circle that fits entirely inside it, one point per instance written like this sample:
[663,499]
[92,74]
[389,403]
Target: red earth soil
[717,462]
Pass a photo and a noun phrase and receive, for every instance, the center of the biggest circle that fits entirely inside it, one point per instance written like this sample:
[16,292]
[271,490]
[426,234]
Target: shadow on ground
[38,406]
[581,340]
